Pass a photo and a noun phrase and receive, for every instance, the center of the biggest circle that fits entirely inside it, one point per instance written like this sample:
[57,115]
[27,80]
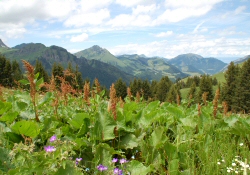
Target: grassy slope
[219,76]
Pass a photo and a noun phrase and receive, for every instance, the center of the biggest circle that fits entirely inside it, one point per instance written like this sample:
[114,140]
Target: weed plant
[68,132]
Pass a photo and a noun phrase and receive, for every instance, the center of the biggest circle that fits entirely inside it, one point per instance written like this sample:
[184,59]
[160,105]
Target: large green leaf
[9,117]
[174,167]
[104,126]
[4,106]
[129,141]
[78,120]
[158,137]
[137,168]
[27,128]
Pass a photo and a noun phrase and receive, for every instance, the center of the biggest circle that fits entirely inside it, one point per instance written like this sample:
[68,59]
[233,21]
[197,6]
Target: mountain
[193,63]
[237,61]
[138,65]
[2,44]
[106,73]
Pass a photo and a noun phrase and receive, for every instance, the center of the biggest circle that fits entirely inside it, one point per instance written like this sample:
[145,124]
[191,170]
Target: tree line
[235,91]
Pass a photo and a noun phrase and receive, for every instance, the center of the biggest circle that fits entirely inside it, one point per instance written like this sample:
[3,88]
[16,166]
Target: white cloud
[12,11]
[125,20]
[83,19]
[180,14]
[79,38]
[144,9]
[91,6]
[131,3]
[197,27]
[239,10]
[164,34]
[15,33]
[197,44]
[190,3]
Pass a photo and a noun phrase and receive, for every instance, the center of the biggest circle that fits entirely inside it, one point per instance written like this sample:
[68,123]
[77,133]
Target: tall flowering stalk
[112,101]
[178,100]
[31,77]
[66,88]
[225,107]
[98,86]
[215,102]
[86,92]
[204,98]
[138,97]
[129,94]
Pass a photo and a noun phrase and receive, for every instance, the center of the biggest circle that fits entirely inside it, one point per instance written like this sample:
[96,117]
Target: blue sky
[165,28]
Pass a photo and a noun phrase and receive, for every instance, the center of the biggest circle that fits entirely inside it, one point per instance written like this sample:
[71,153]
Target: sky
[164,28]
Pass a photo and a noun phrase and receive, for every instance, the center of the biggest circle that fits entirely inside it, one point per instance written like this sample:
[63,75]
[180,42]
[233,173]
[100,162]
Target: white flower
[233,164]
[241,144]
[228,171]
[236,172]
[218,163]
[223,160]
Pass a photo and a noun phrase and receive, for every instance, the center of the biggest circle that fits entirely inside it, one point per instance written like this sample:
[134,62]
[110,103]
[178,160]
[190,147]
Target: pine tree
[192,91]
[241,101]
[7,74]
[57,71]
[16,72]
[173,93]
[79,79]
[42,73]
[162,88]
[121,88]
[205,86]
[229,87]
[146,90]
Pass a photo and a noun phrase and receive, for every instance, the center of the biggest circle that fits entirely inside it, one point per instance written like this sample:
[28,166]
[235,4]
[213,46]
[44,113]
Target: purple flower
[114,160]
[49,148]
[78,159]
[117,171]
[123,161]
[102,168]
[53,138]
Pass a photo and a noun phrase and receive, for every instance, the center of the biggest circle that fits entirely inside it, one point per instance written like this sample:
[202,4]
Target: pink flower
[49,148]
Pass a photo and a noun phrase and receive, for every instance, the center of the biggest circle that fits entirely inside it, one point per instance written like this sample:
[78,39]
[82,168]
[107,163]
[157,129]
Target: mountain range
[138,65]
[97,62]
[106,74]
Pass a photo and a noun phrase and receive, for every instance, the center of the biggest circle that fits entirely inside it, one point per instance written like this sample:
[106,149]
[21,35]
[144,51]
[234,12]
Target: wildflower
[133,157]
[117,171]
[218,163]
[87,169]
[78,159]
[223,160]
[123,161]
[241,144]
[53,138]
[102,168]
[233,164]
[114,160]
[49,148]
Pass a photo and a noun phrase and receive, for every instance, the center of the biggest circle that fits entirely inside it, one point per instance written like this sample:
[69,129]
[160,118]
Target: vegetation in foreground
[67,132]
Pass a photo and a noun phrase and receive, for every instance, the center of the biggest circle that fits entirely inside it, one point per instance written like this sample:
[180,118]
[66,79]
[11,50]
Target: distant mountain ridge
[196,63]
[237,61]
[153,68]
[107,74]
[2,44]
